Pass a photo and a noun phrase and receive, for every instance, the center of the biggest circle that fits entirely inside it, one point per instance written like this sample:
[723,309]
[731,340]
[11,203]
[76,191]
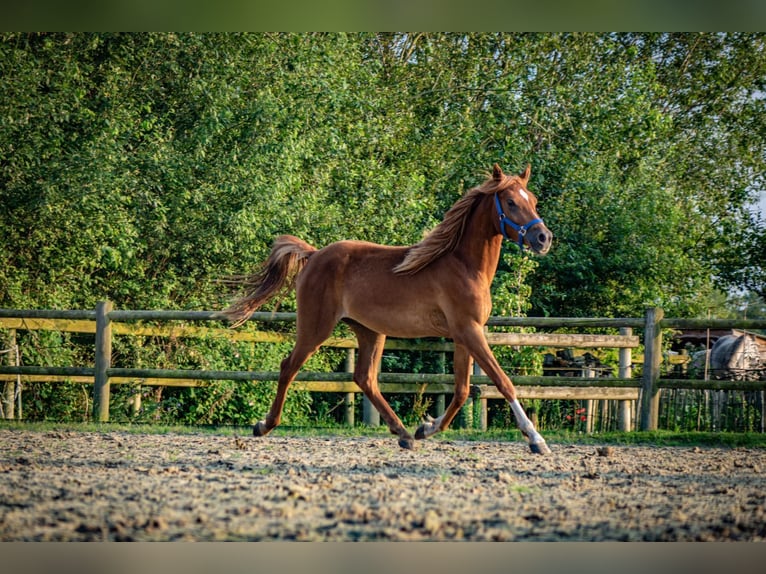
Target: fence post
[590,415]
[12,390]
[370,414]
[650,397]
[624,418]
[465,416]
[481,402]
[440,398]
[136,401]
[484,414]
[103,361]
[349,400]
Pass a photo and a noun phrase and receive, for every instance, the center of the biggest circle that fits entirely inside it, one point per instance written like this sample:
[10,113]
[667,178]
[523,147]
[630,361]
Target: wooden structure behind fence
[105,322]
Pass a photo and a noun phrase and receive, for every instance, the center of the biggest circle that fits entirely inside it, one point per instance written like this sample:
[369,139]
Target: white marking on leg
[262,427]
[432,426]
[525,424]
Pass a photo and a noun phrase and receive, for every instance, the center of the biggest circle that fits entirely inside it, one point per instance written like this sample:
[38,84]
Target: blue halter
[520,229]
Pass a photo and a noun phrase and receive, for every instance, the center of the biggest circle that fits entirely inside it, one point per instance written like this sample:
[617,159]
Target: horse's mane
[445,237]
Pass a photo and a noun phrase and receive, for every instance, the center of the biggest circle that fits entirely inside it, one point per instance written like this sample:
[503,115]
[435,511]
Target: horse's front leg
[366,377]
[462,365]
[476,342]
[536,442]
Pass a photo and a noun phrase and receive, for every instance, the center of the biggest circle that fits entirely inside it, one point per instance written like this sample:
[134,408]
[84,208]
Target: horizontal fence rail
[105,322]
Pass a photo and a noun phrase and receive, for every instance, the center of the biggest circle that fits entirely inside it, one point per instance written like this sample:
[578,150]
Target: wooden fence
[105,322]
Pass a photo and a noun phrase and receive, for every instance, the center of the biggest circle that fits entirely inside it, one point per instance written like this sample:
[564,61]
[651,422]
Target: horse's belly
[406,322]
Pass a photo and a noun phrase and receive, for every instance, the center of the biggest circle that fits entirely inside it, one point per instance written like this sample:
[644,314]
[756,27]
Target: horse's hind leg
[288,369]
[312,331]
[366,377]
[462,364]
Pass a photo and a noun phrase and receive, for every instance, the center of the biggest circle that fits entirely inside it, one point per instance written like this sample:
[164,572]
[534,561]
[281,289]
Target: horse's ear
[525,174]
[497,173]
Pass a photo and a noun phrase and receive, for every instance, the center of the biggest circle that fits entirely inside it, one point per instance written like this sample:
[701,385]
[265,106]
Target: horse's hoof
[539,448]
[407,442]
[259,429]
[420,434]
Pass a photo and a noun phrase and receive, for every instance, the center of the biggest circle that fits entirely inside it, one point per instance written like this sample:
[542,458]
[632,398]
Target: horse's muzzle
[539,238]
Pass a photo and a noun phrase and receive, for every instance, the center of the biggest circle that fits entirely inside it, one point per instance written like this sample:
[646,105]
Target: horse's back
[341,257]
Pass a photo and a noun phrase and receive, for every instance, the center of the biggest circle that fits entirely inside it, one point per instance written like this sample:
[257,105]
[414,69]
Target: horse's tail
[288,256]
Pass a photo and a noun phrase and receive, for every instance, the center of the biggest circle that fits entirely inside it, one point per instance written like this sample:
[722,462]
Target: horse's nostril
[543,238]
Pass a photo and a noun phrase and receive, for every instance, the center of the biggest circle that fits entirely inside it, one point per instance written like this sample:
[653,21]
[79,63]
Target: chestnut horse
[439,287]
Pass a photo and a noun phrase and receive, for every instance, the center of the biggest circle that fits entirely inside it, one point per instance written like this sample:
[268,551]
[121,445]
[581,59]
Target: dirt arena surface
[118,486]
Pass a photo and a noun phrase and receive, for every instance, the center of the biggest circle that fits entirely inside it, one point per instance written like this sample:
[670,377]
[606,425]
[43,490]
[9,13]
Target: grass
[647,438]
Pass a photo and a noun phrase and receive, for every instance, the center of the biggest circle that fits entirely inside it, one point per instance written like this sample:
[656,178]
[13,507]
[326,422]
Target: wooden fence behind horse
[105,323]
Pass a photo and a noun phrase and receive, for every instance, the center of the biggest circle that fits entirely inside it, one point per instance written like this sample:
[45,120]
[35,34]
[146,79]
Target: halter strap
[521,230]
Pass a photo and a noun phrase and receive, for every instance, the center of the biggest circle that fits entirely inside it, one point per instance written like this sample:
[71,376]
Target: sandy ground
[78,486]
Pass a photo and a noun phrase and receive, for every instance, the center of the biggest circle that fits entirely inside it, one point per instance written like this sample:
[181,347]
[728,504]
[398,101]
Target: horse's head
[516,208]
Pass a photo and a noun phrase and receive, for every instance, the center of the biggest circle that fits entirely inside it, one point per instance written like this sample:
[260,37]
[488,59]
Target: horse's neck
[481,244]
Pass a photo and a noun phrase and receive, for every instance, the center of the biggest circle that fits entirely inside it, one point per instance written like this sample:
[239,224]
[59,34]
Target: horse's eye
[511,204]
